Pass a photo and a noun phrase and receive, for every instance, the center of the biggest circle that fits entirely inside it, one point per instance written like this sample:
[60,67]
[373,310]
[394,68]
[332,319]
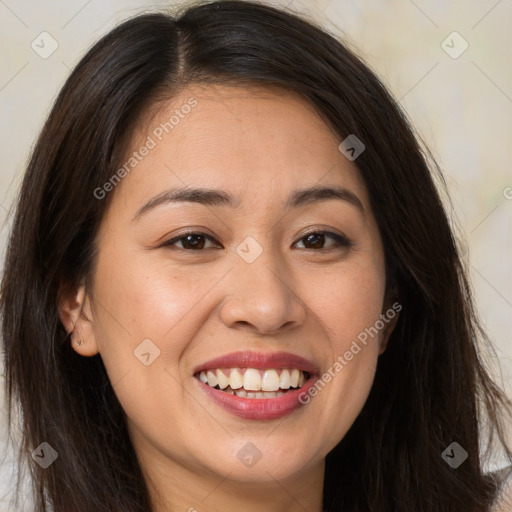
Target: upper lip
[252,359]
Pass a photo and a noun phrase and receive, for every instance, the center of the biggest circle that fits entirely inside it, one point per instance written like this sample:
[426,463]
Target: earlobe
[385,335]
[389,318]
[383,341]
[76,317]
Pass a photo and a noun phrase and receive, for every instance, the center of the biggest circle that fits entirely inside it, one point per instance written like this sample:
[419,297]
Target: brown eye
[190,241]
[316,240]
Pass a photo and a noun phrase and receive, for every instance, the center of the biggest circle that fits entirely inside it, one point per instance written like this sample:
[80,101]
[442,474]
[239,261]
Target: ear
[76,315]
[389,317]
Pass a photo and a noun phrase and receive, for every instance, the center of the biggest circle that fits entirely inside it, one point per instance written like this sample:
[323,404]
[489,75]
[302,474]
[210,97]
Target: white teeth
[270,381]
[222,380]
[294,378]
[241,392]
[252,380]
[212,378]
[235,379]
[284,381]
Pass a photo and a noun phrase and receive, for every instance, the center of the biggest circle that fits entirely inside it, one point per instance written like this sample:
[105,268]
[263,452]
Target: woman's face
[250,282]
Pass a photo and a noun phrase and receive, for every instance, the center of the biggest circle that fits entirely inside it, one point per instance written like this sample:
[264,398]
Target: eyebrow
[216,197]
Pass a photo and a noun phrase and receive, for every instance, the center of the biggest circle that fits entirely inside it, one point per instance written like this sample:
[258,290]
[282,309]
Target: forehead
[259,143]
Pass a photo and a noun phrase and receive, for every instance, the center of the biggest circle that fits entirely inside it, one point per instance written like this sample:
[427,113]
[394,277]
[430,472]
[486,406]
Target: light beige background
[461,106]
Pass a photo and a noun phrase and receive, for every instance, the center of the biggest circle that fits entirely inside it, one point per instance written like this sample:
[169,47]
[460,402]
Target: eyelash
[341,240]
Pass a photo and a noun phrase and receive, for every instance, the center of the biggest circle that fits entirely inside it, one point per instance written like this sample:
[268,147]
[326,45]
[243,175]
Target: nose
[263,297]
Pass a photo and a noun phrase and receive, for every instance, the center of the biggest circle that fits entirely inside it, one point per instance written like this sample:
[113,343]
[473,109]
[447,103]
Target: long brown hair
[431,387]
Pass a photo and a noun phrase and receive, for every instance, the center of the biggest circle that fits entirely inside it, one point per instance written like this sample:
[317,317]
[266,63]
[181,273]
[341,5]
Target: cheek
[348,306]
[145,313]
[347,386]
[347,302]
[147,298]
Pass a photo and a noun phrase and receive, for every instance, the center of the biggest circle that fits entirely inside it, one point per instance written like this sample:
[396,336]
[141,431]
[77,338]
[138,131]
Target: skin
[311,300]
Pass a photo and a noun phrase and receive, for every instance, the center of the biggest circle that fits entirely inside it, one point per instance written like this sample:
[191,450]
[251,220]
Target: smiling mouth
[254,382]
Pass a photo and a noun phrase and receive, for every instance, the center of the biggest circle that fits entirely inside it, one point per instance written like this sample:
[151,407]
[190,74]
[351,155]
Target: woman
[231,284]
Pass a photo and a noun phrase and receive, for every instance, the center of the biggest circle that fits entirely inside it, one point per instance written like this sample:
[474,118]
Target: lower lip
[258,408]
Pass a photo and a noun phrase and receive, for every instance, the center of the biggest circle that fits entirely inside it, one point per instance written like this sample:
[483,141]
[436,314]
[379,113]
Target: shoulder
[504,499]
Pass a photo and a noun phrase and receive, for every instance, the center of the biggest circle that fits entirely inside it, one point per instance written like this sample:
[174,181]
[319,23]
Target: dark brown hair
[431,387]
